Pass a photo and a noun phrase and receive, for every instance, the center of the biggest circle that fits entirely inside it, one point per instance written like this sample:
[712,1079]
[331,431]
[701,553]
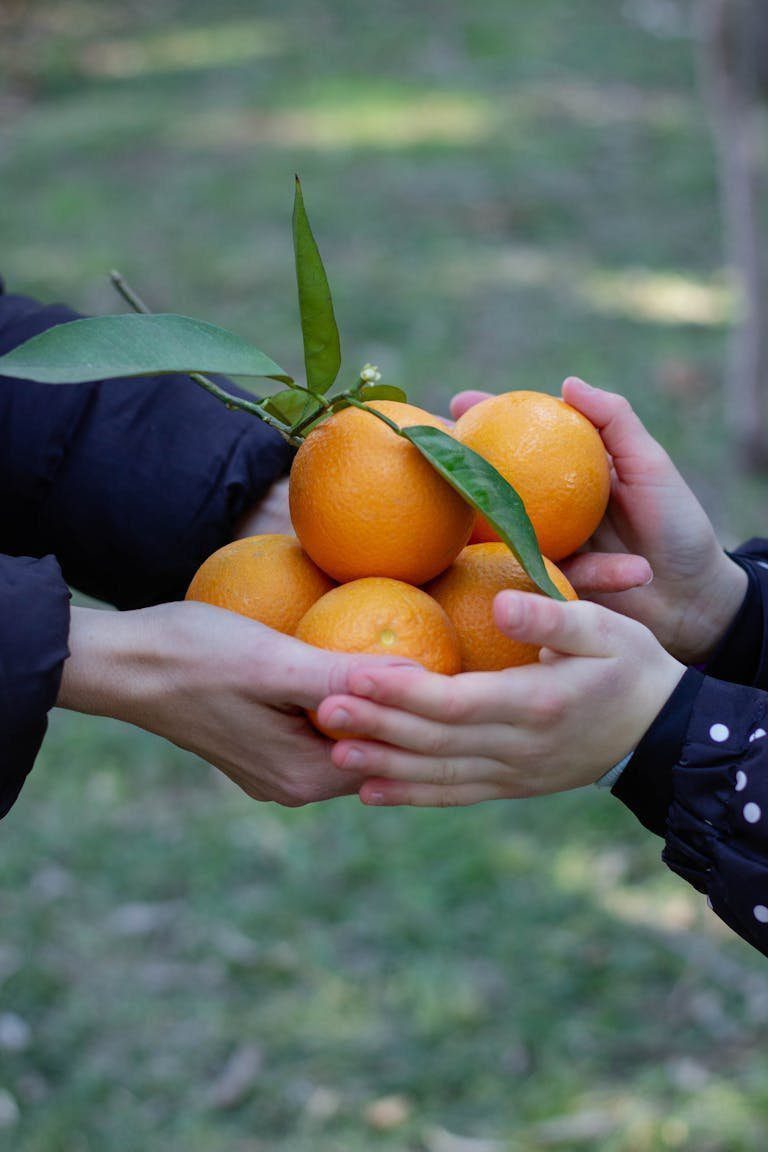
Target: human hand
[270,515]
[562,723]
[221,686]
[696,590]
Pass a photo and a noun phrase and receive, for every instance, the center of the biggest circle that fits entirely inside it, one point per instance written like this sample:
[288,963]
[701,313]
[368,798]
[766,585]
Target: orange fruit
[466,592]
[268,578]
[553,458]
[384,617]
[365,502]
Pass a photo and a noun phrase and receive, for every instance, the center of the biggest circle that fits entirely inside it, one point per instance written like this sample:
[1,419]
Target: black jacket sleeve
[34,625]
[699,777]
[129,483]
[120,488]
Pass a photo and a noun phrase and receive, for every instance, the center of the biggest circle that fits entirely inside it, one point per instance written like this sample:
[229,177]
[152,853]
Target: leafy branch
[234,403]
[142,343]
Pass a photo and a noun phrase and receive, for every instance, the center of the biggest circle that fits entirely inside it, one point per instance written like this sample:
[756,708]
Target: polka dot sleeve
[699,777]
[717,822]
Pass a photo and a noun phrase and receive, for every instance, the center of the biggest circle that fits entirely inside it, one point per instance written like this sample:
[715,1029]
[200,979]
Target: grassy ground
[504,193]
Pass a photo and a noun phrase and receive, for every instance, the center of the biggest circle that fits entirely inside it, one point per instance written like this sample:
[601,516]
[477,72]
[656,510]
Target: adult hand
[220,685]
[696,590]
[562,723]
[270,515]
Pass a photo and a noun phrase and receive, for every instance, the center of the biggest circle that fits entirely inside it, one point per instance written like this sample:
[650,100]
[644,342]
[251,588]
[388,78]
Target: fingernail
[353,758]
[648,581]
[339,718]
[583,383]
[374,798]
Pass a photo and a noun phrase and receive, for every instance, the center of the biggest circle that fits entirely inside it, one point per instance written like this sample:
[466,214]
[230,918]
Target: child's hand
[696,590]
[546,727]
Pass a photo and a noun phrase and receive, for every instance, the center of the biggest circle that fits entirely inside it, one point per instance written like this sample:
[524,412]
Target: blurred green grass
[504,194]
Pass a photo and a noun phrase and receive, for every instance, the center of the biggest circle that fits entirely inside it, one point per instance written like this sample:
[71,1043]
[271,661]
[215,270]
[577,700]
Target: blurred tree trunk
[735,58]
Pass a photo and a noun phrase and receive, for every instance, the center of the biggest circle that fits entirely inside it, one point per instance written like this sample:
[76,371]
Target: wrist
[656,685]
[110,656]
[713,612]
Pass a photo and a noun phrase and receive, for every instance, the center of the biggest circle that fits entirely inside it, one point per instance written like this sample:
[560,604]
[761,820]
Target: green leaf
[291,406]
[103,347]
[322,348]
[382,392]
[489,493]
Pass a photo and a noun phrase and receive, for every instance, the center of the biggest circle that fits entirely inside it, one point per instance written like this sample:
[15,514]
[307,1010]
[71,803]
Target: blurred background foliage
[504,193]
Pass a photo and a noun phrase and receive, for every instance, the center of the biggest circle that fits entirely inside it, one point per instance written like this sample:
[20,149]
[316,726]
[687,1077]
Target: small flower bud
[370,374]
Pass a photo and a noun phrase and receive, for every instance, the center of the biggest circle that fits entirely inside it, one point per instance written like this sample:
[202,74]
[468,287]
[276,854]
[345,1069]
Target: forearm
[141,667]
[112,658]
[706,619]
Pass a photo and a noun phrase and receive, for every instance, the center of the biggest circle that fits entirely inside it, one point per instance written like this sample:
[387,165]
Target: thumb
[310,674]
[634,451]
[463,401]
[577,628]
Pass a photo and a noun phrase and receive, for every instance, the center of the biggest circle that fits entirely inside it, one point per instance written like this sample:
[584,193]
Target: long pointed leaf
[104,347]
[489,493]
[322,347]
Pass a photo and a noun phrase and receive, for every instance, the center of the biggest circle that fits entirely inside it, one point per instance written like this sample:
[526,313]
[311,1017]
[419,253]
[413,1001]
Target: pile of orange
[381,562]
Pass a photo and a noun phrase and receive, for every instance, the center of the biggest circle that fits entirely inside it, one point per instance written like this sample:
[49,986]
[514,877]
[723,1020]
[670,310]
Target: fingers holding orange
[382,617]
[466,592]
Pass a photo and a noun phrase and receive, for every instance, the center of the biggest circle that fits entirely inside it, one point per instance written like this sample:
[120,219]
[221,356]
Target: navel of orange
[380,616]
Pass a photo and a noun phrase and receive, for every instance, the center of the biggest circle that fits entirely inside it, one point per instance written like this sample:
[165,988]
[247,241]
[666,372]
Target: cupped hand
[547,727]
[696,589]
[218,684]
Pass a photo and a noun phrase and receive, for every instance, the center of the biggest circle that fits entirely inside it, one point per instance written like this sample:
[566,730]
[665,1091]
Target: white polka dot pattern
[716,825]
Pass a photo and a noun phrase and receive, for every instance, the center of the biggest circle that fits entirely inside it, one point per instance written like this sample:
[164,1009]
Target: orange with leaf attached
[365,502]
[553,458]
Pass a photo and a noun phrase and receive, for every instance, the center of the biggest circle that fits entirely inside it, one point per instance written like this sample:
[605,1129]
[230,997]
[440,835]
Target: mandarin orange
[268,578]
[384,617]
[365,502]
[554,459]
[466,593]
